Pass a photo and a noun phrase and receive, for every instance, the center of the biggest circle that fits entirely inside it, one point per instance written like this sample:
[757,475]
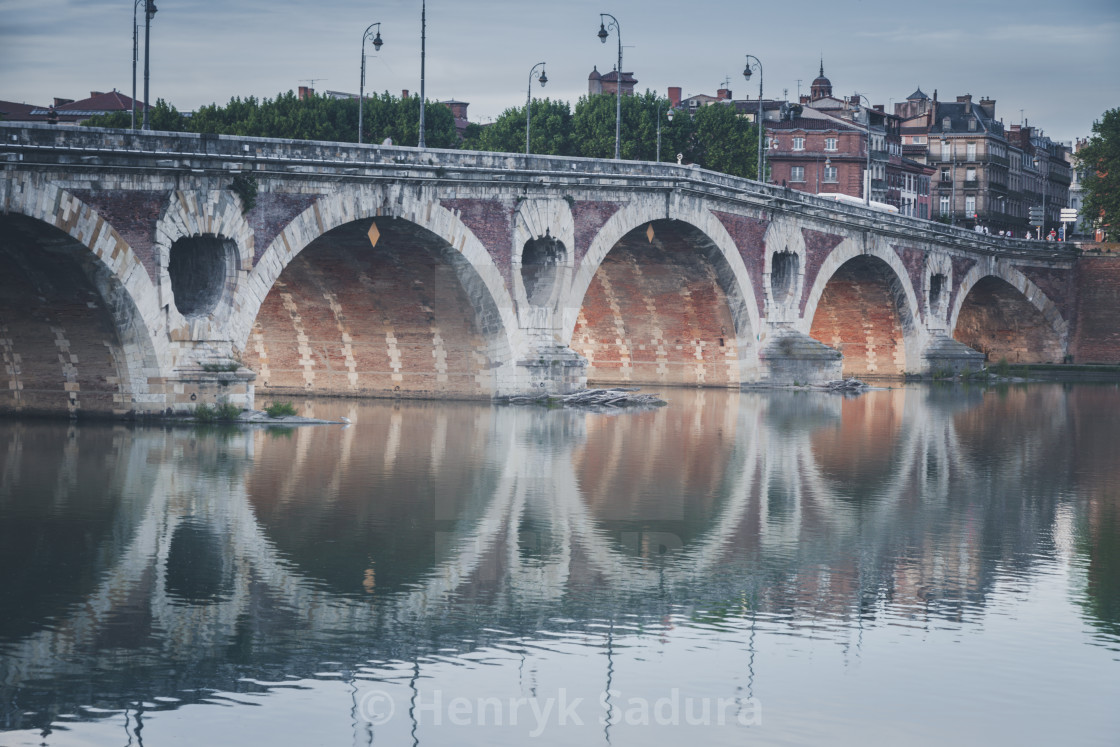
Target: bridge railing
[34,145]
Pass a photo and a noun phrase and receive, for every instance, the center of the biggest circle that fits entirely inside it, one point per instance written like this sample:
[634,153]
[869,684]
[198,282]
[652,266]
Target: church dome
[822,86]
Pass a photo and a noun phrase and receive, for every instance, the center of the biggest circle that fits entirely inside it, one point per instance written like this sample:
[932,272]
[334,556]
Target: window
[797,174]
[944,204]
[972,124]
[918,140]
[772,143]
[946,150]
[970,175]
[970,206]
[830,174]
[830,143]
[971,150]
[922,210]
[945,175]
[799,143]
[947,124]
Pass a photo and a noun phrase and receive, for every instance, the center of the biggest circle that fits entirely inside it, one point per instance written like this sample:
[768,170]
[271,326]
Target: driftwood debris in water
[604,400]
[845,386]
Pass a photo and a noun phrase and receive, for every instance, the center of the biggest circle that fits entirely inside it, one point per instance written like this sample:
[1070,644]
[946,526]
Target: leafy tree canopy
[1100,159]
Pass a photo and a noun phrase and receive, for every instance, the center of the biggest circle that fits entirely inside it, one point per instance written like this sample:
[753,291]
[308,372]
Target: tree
[725,141]
[163,116]
[550,130]
[1100,159]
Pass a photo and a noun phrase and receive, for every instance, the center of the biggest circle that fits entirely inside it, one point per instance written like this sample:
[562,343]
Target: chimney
[723,94]
[805,99]
[61,102]
[966,99]
[305,92]
[674,96]
[989,107]
[96,93]
[458,109]
[404,94]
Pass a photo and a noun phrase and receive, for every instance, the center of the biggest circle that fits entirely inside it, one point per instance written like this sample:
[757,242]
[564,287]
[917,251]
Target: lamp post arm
[362,81]
[761,124]
[618,80]
[529,103]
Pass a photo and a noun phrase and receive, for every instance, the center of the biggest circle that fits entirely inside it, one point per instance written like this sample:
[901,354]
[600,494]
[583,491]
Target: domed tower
[594,82]
[822,86]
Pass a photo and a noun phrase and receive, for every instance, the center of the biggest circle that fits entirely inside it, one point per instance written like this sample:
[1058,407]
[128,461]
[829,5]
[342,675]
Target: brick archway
[729,337]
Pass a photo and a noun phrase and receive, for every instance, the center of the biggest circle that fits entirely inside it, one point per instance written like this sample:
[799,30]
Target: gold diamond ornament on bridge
[373,234]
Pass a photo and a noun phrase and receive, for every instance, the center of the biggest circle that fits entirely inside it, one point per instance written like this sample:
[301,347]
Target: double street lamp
[543,78]
[604,29]
[376,39]
[867,176]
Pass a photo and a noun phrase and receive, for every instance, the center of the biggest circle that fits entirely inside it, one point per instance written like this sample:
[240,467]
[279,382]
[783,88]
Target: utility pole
[423,42]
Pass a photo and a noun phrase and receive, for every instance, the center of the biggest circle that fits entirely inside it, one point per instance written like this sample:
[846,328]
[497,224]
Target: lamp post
[376,39]
[423,43]
[604,28]
[669,114]
[529,99]
[149,11]
[135,56]
[761,126]
[867,173]
[1045,177]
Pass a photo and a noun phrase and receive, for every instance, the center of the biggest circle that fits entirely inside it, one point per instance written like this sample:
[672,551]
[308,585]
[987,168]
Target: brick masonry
[58,344]
[998,321]
[349,319]
[655,314]
[749,235]
[858,316]
[1097,336]
[818,246]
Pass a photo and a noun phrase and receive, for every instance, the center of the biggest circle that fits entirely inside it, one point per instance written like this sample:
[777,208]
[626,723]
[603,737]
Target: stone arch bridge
[146,271]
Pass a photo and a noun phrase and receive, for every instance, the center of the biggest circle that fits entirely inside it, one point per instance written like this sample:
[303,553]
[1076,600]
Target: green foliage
[593,126]
[313,118]
[550,130]
[280,409]
[162,116]
[1100,159]
[206,414]
[221,367]
[726,141]
[245,185]
[1003,369]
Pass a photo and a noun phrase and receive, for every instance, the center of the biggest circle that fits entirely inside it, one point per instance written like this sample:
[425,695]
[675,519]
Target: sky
[1053,64]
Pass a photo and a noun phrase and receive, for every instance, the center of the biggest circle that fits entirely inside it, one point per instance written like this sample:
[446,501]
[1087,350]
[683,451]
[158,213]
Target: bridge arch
[341,295]
[845,309]
[724,349]
[1001,313]
[82,313]
[204,249]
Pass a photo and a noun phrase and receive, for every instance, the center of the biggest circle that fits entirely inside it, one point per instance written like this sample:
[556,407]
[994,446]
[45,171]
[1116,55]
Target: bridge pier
[792,357]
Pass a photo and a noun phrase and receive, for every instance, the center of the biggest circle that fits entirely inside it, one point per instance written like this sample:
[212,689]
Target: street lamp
[149,11]
[135,56]
[376,39]
[668,114]
[761,127]
[529,99]
[423,44]
[867,173]
[604,27]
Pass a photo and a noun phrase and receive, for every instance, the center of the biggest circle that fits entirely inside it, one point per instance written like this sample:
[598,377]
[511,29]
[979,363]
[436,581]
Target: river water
[921,565]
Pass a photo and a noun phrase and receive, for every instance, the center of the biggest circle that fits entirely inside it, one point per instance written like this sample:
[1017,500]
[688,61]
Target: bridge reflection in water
[719,544]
